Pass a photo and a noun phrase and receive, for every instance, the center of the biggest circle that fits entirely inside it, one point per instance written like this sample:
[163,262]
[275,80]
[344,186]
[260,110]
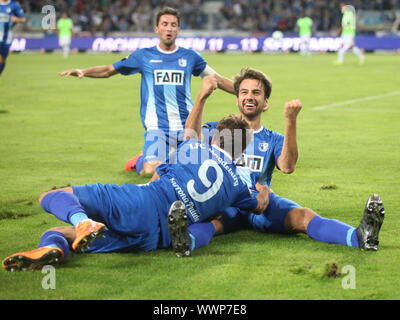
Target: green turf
[57,131]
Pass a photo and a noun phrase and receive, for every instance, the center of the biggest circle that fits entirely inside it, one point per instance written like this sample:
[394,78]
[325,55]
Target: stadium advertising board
[262,44]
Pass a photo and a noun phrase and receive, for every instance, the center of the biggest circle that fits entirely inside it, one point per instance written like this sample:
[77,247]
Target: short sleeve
[277,148]
[18,11]
[199,64]
[130,65]
[208,130]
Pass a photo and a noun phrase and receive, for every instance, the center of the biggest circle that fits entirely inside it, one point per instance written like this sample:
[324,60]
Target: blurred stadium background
[210,25]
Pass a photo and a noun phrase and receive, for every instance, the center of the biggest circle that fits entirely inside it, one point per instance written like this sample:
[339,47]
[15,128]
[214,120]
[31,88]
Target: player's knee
[42,196]
[67,189]
[297,219]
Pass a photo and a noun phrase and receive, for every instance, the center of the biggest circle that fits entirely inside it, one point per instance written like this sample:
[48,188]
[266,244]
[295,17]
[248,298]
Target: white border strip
[379,96]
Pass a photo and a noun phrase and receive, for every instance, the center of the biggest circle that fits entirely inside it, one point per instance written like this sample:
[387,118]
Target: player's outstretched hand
[73,72]
[292,109]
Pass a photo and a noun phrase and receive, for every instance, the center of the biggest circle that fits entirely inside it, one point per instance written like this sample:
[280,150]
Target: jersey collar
[259,130]
[167,52]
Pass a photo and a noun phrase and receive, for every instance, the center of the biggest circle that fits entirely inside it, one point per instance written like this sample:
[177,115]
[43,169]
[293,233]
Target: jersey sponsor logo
[252,162]
[174,77]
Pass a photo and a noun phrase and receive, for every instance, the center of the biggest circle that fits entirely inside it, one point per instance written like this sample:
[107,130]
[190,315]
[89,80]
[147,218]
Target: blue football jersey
[258,161]
[11,8]
[165,86]
[204,177]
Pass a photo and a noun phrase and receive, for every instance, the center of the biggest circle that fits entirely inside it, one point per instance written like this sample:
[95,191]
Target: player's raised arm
[289,155]
[94,72]
[222,82]
[194,120]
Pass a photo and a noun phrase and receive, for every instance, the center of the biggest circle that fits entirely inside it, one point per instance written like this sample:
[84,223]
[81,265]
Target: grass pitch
[56,131]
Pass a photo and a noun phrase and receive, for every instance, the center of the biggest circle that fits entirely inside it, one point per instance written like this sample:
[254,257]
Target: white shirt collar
[259,130]
[167,52]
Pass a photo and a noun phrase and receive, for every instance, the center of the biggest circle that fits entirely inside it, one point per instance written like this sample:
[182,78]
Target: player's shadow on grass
[228,245]
[279,241]
[253,237]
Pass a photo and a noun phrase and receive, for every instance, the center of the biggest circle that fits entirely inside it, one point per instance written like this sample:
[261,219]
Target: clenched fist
[292,109]
[210,83]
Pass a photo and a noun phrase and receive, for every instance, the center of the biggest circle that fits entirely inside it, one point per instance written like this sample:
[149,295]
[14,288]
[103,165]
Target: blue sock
[332,231]
[201,234]
[55,239]
[63,205]
[2,66]
[139,164]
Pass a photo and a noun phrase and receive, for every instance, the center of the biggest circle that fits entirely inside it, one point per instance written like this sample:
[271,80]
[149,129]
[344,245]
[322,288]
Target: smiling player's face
[251,99]
[167,29]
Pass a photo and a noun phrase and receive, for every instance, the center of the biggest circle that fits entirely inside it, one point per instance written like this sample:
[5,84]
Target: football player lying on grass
[197,181]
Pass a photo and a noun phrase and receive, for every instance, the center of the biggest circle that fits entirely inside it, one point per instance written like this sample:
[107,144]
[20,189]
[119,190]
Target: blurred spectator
[247,15]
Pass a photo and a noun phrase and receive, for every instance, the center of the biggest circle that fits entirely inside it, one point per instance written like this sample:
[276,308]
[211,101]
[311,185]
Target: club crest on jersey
[174,77]
[263,146]
[182,62]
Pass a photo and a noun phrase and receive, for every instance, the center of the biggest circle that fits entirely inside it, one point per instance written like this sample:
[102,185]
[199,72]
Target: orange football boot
[86,231]
[34,259]
[131,164]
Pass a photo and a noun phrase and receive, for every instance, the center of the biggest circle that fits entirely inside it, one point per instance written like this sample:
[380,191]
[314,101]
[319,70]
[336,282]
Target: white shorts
[347,42]
[305,39]
[64,41]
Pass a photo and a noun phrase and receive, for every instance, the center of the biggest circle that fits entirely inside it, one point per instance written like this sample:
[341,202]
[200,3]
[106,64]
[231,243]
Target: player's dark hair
[233,134]
[170,11]
[249,73]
